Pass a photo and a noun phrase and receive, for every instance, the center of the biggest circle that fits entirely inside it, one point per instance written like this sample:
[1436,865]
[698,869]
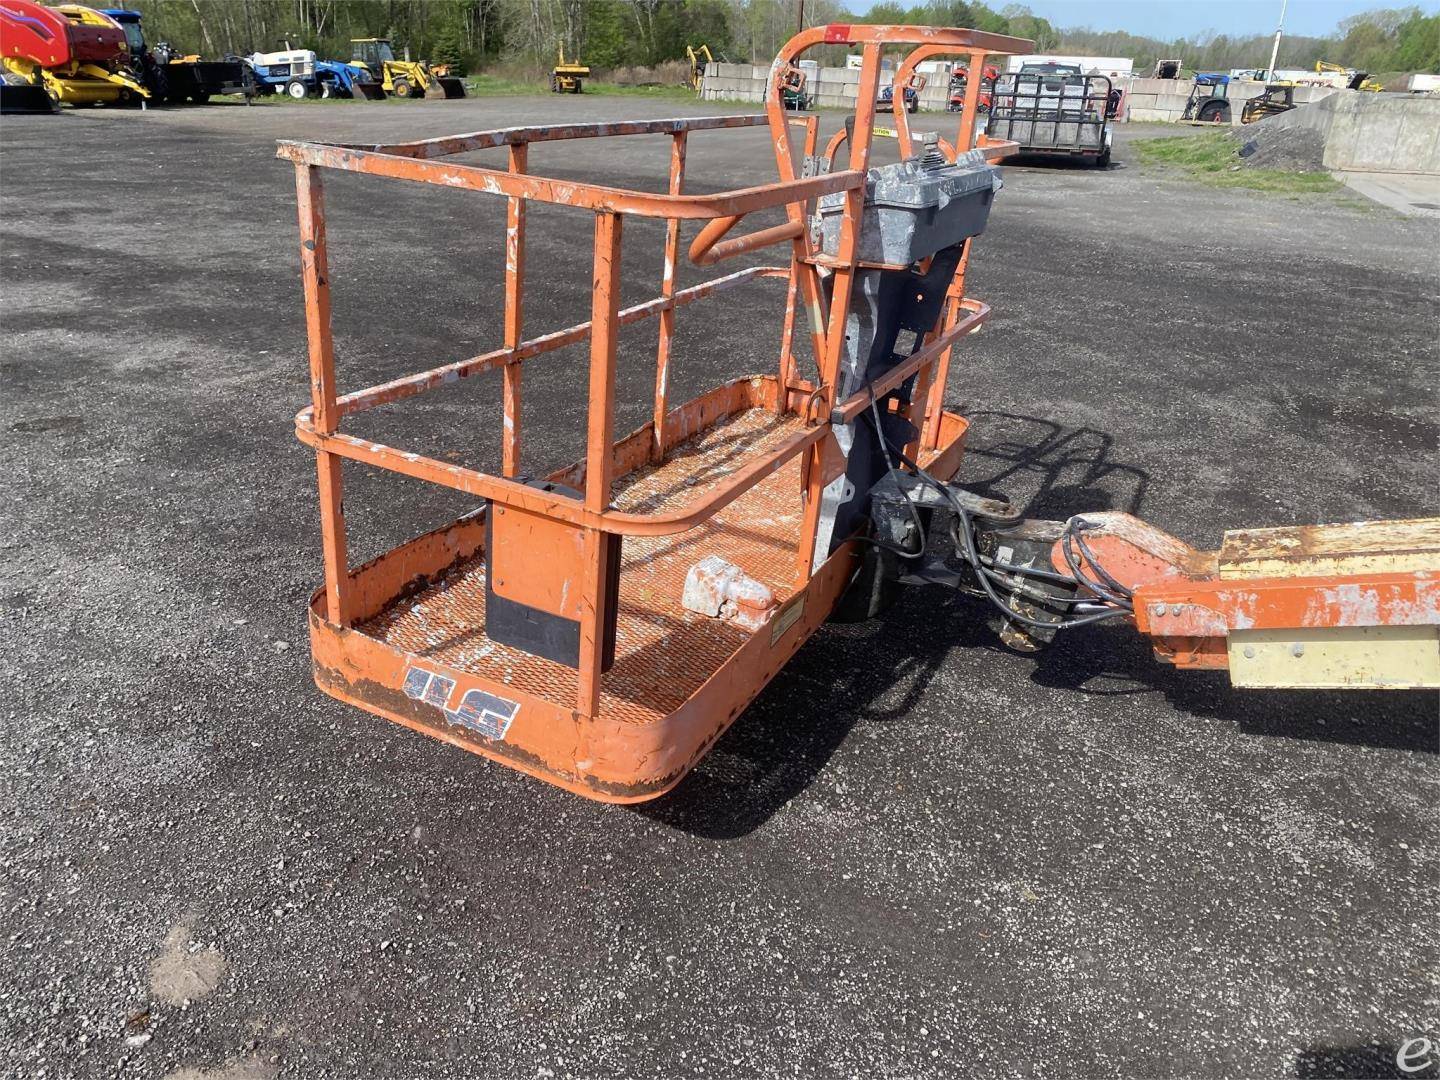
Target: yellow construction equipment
[404,78]
[568,78]
[1354,80]
[697,66]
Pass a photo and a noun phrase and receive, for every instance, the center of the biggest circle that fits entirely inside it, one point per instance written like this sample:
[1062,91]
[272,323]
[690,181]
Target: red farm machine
[68,53]
[601,627]
[960,82]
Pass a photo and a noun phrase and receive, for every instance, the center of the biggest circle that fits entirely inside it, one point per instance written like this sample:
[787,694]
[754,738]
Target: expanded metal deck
[663,652]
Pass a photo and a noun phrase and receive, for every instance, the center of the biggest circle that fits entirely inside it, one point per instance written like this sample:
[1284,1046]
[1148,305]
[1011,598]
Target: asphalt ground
[917,854]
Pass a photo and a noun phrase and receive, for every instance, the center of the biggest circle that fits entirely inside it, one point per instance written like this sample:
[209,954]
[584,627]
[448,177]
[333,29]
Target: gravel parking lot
[916,855]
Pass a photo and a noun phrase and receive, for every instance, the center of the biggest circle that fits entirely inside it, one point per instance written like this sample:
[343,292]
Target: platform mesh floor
[663,653]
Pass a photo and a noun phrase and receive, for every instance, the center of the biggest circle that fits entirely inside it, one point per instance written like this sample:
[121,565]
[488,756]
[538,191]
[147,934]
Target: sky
[1186,18]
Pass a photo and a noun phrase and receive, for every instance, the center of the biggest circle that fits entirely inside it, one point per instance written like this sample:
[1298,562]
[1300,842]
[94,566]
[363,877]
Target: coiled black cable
[987,569]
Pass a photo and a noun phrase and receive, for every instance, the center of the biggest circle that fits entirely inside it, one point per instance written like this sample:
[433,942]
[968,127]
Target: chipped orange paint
[1189,600]
[667,291]
[514,313]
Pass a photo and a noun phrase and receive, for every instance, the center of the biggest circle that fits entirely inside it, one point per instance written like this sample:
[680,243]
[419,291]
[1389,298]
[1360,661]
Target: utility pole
[1275,49]
[800,18]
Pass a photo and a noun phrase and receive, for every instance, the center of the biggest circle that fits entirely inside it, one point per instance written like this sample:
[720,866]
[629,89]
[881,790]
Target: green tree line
[524,35]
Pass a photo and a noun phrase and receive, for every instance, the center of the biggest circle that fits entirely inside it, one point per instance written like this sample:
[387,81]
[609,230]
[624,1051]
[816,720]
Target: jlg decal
[482,712]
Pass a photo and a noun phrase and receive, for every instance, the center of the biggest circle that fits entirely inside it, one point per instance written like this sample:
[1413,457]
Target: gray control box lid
[922,182]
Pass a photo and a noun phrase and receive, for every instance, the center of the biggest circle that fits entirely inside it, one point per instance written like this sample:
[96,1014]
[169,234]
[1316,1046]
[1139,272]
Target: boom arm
[1354,605]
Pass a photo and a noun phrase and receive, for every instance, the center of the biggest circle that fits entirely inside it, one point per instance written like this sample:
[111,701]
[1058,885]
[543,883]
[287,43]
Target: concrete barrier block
[1342,132]
[1371,142]
[1418,145]
[1157,86]
[1307,94]
[1151,115]
[1372,132]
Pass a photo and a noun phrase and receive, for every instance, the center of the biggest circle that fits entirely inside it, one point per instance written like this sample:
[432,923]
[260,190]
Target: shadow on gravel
[1072,471]
[873,672]
[1372,1061]
[1058,163]
[1113,665]
[1061,471]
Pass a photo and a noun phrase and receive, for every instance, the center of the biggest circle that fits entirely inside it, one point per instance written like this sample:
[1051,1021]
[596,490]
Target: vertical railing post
[667,290]
[810,289]
[844,280]
[916,408]
[792,283]
[787,335]
[514,314]
[599,456]
[965,137]
[315,272]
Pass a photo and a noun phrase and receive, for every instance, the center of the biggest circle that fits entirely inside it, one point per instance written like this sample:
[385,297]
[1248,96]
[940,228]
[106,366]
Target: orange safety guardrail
[424,162]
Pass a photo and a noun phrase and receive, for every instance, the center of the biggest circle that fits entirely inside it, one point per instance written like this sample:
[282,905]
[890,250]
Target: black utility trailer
[200,80]
[1053,109]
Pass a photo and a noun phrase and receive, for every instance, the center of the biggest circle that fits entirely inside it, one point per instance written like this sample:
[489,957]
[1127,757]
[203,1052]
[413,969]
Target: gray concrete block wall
[1153,86]
[1172,103]
[935,96]
[829,87]
[733,82]
[1366,132]
[1381,133]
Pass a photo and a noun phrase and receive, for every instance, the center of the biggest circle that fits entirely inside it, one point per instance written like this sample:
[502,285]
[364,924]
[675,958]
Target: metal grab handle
[706,249]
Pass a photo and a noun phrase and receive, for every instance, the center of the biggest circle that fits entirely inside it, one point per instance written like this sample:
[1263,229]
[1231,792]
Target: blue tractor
[297,74]
[347,80]
[1209,101]
[884,101]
